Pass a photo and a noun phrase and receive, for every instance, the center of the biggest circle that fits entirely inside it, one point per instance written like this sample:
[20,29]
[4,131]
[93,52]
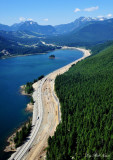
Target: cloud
[25,19]
[109,15]
[22,19]
[77,10]
[46,19]
[86,9]
[91,9]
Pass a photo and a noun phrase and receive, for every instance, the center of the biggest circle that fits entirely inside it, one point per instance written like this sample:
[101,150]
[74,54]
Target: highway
[38,110]
[36,122]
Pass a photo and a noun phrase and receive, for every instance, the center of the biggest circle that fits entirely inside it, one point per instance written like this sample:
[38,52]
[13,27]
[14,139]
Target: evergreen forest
[86,98]
[22,134]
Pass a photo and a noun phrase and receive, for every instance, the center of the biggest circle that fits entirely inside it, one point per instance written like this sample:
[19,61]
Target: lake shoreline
[10,140]
[29,107]
[22,55]
[14,56]
[50,80]
[62,48]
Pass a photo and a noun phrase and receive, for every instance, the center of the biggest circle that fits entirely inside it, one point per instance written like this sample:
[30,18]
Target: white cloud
[46,19]
[25,19]
[22,19]
[86,9]
[77,10]
[91,9]
[109,15]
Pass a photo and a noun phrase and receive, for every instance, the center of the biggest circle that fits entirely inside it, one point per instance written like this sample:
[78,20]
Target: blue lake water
[15,72]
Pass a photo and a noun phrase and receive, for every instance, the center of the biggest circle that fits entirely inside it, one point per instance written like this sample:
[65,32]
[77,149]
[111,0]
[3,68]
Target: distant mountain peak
[29,23]
[84,19]
[77,24]
[31,26]
[91,19]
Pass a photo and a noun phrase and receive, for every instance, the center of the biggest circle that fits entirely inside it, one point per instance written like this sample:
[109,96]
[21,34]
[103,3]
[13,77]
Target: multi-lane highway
[36,122]
[38,111]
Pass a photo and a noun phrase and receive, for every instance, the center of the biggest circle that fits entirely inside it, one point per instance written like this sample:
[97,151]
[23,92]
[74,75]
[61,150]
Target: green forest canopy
[86,97]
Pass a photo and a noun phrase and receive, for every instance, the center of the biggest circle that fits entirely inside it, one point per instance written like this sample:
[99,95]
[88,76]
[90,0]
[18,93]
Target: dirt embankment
[50,113]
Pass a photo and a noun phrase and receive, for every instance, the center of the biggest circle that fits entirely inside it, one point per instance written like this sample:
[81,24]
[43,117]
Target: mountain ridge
[29,26]
[82,21]
[49,29]
[92,33]
[89,33]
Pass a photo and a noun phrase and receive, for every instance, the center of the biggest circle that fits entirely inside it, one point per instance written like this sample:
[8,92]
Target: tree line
[22,134]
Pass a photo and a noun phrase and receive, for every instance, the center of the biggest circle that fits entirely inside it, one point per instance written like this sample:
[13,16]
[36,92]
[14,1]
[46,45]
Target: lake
[17,71]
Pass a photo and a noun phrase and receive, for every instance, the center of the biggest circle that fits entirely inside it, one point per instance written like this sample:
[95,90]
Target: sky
[52,12]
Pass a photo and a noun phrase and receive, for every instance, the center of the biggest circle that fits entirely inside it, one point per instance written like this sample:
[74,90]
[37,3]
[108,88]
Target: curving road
[37,119]
[38,111]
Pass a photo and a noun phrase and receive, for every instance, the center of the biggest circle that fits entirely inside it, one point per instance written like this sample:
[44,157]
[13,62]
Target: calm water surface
[15,72]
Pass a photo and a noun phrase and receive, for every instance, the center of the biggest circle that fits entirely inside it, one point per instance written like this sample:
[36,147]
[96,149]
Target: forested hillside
[13,47]
[86,97]
[27,37]
[90,34]
[99,47]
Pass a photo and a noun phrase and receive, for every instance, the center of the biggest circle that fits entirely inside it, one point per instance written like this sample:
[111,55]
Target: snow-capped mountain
[88,19]
[77,24]
[50,30]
